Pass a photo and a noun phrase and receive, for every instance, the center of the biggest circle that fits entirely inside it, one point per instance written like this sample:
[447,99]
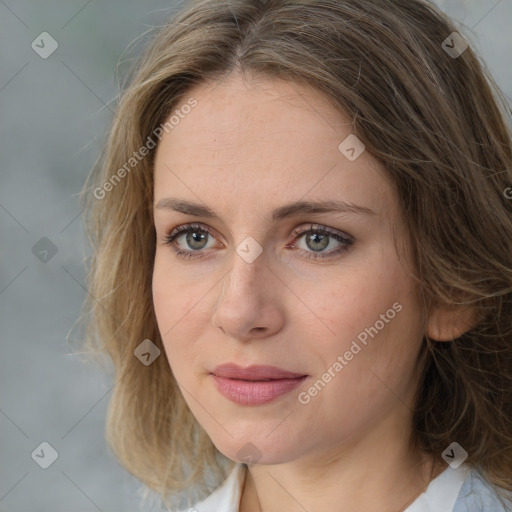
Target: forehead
[255,112]
[262,143]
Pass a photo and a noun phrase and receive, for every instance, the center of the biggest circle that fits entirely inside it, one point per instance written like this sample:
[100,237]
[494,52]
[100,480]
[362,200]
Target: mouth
[254,372]
[256,384]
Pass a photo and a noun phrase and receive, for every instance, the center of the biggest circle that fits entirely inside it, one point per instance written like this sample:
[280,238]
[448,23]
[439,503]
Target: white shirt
[441,494]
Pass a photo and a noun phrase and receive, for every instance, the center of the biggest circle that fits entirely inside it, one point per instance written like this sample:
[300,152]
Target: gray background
[55,114]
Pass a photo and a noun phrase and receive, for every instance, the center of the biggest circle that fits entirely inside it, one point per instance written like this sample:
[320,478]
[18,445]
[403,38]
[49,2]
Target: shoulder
[477,495]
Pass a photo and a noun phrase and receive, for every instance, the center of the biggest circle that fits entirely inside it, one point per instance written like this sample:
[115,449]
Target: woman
[302,263]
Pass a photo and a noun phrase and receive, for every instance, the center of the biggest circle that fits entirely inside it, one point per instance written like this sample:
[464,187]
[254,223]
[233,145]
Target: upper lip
[254,372]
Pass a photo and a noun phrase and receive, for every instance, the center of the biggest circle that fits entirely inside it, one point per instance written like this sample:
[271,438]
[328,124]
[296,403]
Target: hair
[437,125]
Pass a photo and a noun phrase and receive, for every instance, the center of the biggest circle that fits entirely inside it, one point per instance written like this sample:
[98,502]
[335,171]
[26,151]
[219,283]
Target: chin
[257,449]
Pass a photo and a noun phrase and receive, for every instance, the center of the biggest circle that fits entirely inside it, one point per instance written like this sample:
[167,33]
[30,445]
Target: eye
[194,237]
[315,239]
[190,241]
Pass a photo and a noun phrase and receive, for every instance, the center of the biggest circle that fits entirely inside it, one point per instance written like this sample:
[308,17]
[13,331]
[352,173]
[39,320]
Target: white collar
[440,495]
[226,498]
[442,492]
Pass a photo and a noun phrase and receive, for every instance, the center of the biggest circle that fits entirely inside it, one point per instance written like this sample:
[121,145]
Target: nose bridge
[244,302]
[246,275]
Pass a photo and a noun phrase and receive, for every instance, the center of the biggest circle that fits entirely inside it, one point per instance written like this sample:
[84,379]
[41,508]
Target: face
[320,294]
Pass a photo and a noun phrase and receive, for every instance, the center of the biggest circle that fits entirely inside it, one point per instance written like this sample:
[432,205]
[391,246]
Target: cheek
[355,300]
[180,314]
[374,306]
[168,304]
[163,293]
[372,378]
[379,352]
[170,297]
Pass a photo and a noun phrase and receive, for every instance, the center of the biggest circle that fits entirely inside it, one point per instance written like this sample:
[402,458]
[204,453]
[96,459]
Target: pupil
[317,245]
[192,240]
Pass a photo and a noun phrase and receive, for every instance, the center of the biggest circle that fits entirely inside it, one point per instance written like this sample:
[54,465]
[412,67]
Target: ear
[449,322]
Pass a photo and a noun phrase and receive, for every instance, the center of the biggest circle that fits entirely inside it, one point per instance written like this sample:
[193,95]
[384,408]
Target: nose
[249,304]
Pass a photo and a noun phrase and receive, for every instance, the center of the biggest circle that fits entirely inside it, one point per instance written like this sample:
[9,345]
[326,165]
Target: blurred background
[57,97]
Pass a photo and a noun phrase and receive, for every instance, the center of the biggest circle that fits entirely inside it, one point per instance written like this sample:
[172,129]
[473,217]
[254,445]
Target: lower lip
[255,392]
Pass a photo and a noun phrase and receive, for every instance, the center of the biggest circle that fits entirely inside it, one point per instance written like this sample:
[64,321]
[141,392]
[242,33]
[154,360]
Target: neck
[387,480]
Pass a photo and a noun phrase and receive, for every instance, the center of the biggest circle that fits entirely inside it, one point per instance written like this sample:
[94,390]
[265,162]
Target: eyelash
[346,241]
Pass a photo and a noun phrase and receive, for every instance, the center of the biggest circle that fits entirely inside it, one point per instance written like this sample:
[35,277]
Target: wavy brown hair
[435,122]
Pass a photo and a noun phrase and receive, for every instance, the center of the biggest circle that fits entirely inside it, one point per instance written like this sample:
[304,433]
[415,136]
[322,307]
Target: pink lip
[254,385]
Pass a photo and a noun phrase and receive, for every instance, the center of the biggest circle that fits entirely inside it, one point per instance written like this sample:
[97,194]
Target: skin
[246,148]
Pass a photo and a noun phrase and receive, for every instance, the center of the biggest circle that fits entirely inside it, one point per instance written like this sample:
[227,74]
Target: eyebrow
[288,210]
